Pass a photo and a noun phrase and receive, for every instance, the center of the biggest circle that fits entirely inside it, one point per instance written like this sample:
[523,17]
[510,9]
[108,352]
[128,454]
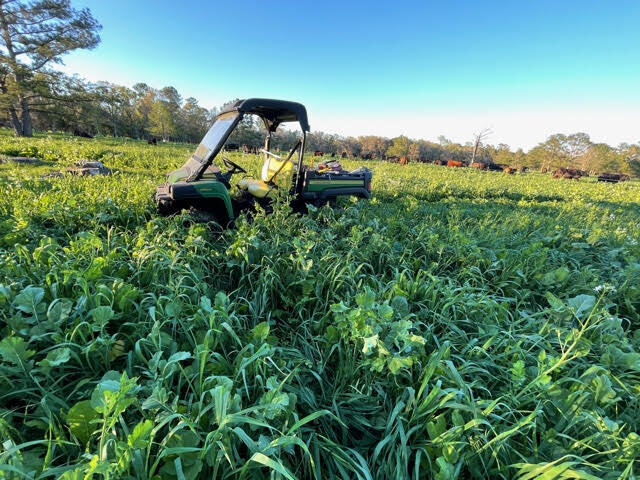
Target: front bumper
[163,199]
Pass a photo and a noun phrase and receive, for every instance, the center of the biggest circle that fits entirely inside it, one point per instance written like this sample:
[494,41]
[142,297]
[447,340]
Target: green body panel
[320,185]
[207,187]
[212,188]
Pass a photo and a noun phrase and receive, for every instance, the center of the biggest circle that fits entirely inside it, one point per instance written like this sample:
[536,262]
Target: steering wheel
[272,154]
[233,167]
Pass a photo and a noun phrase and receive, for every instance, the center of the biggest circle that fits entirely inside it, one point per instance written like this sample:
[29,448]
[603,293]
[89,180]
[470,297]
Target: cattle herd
[575,174]
[570,173]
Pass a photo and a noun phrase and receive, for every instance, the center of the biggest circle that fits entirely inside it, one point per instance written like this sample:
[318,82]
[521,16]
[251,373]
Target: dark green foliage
[461,324]
[34,35]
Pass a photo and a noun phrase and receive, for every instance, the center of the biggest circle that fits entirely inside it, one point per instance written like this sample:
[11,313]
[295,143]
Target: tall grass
[460,324]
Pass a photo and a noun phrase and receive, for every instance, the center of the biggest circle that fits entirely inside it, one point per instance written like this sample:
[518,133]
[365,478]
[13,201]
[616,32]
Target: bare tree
[478,139]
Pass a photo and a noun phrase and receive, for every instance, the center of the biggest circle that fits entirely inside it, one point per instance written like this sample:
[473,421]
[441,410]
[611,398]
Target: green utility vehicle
[202,185]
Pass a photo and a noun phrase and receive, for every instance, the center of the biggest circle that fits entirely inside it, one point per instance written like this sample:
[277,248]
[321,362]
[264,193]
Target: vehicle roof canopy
[272,112]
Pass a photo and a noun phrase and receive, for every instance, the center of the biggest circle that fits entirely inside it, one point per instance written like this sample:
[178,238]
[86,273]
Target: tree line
[70,104]
[35,34]
[559,150]
[73,105]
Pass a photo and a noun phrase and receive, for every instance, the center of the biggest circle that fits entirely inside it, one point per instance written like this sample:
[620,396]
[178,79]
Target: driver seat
[275,173]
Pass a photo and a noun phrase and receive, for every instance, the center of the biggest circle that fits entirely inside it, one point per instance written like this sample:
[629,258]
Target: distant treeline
[71,104]
[573,151]
[34,35]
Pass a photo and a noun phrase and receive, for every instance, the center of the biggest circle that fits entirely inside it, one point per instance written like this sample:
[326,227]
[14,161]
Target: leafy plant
[460,324]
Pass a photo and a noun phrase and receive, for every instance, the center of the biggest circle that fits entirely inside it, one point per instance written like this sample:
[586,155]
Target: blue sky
[423,69]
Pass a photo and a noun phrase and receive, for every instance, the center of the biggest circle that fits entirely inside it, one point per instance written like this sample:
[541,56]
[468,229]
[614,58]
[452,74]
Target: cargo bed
[329,185]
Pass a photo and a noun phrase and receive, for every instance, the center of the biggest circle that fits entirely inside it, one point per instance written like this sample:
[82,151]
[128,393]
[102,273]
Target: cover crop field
[461,324]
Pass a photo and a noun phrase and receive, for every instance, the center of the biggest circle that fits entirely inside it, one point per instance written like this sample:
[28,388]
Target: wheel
[165,207]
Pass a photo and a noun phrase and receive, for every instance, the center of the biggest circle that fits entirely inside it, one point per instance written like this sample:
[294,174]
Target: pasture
[461,324]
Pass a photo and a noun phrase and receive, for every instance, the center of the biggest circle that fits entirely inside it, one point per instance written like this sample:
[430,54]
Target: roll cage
[271,112]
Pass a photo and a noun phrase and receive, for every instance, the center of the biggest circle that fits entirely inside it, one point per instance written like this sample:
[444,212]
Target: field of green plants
[461,324]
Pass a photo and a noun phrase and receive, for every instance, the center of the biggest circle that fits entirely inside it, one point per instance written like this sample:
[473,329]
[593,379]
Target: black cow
[81,133]
[613,177]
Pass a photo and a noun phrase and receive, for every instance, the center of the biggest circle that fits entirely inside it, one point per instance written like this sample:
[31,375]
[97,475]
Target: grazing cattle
[152,141]
[81,133]
[333,154]
[343,155]
[367,156]
[572,173]
[495,167]
[479,165]
[393,159]
[439,162]
[318,153]
[613,177]
[250,149]
[403,160]
[455,163]
[510,170]
[523,169]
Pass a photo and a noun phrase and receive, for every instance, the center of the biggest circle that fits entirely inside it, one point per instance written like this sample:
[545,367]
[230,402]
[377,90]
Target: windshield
[210,141]
[214,135]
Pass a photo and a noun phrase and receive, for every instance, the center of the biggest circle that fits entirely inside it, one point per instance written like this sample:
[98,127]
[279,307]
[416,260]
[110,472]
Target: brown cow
[572,173]
[403,160]
[613,177]
[318,153]
[455,163]
[510,170]
[479,165]
[250,149]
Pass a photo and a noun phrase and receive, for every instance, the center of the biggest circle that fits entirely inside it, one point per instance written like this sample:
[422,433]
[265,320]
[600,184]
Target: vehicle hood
[178,175]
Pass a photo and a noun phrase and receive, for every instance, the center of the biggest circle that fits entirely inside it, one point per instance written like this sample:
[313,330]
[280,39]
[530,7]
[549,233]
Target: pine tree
[34,35]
